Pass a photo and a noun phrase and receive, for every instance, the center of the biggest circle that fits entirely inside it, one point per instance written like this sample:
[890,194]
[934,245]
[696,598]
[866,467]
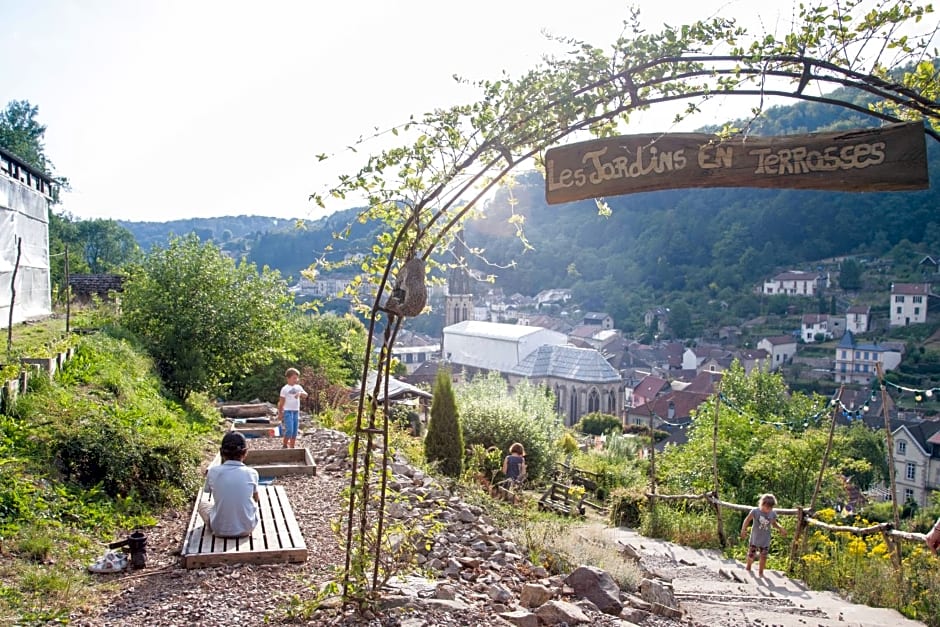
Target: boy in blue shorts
[288,406]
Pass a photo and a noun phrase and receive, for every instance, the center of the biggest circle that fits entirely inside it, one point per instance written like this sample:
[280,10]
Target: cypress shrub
[443,444]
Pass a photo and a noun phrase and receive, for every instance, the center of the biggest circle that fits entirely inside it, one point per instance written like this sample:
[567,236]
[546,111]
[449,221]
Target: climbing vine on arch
[420,189]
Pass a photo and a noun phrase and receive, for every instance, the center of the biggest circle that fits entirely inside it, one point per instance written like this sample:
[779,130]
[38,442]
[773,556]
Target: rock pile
[478,576]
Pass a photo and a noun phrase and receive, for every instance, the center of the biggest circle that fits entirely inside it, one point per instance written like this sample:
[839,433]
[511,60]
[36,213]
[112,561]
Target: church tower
[458,305]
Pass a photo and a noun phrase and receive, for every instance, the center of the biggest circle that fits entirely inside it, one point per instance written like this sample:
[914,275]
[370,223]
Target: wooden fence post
[16,267]
[68,294]
[652,499]
[889,441]
[722,541]
[836,402]
[798,541]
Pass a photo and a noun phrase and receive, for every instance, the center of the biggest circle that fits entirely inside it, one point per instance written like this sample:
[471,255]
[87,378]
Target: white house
[556,296]
[781,349]
[916,460]
[813,325]
[857,363]
[857,318]
[326,287]
[598,319]
[795,283]
[909,303]
[695,357]
[493,345]
[24,241]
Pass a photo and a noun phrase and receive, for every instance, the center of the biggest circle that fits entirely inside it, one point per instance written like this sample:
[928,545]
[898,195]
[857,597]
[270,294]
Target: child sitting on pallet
[234,487]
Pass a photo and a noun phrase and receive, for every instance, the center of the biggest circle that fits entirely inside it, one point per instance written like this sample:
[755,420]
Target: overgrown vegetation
[206,319]
[492,416]
[92,454]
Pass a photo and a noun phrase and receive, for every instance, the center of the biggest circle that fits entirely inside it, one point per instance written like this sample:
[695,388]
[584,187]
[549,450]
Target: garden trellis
[424,190]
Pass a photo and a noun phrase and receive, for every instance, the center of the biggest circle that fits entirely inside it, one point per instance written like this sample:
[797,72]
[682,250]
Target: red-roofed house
[813,325]
[752,358]
[647,389]
[704,383]
[781,349]
[909,303]
[794,283]
[675,407]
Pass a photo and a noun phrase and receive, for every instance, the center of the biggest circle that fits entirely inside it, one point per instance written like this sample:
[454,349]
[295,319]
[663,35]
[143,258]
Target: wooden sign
[890,158]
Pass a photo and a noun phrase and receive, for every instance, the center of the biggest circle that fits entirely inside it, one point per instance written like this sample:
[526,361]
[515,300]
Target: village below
[548,373]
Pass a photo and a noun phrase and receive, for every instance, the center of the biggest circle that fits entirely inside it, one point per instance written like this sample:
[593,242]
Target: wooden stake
[717,503]
[16,267]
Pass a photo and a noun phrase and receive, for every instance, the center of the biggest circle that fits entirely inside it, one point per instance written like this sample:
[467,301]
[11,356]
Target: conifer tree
[444,441]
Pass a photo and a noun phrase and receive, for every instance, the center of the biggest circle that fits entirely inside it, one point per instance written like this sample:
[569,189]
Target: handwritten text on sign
[885,159]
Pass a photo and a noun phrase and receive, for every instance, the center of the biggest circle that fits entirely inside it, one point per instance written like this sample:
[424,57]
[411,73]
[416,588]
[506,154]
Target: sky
[169,109]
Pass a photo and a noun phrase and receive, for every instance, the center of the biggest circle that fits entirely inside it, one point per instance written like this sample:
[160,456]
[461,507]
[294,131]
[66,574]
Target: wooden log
[887,529]
[247,410]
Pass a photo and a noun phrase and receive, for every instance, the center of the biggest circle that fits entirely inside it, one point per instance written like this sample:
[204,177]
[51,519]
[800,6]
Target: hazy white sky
[166,109]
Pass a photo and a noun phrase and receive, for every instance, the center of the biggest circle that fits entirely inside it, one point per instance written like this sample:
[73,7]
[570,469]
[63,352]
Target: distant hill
[220,229]
[704,247]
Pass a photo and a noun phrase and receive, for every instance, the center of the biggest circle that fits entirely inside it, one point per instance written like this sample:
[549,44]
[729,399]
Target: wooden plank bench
[276,539]
[558,498]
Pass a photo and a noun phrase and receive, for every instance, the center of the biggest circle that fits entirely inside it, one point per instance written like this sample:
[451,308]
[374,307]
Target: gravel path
[244,594]
[474,589]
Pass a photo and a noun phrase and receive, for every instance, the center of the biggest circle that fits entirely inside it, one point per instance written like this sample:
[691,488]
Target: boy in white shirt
[234,487]
[288,406]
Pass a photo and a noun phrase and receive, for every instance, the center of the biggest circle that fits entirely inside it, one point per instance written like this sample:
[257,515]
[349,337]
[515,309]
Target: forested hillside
[699,247]
[218,229]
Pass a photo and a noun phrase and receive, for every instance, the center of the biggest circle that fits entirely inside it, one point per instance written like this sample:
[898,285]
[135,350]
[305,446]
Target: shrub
[626,507]
[493,417]
[658,434]
[123,461]
[205,318]
[597,423]
[444,441]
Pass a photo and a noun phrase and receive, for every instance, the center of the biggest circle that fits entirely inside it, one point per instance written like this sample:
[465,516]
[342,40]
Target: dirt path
[718,592]
[709,589]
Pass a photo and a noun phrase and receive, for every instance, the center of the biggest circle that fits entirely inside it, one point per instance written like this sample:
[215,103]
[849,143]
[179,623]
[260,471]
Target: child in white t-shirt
[288,406]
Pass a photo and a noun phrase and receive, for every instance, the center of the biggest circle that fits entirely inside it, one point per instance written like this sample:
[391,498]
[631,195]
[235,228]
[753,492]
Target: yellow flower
[857,547]
[879,550]
[814,560]
[826,514]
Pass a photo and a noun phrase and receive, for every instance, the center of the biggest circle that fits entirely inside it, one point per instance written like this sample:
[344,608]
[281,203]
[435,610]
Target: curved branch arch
[466,151]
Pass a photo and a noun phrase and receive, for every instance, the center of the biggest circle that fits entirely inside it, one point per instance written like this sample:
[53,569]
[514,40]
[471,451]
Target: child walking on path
[933,537]
[288,406]
[763,518]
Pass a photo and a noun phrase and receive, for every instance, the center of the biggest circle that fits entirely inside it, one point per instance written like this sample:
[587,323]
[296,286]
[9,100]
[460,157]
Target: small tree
[444,442]
[850,275]
[204,318]
[597,423]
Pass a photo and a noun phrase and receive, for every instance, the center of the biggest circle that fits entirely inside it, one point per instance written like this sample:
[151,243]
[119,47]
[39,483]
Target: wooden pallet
[277,462]
[256,429]
[558,498]
[276,539]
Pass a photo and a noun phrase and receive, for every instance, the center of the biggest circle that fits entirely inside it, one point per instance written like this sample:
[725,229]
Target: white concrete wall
[24,213]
